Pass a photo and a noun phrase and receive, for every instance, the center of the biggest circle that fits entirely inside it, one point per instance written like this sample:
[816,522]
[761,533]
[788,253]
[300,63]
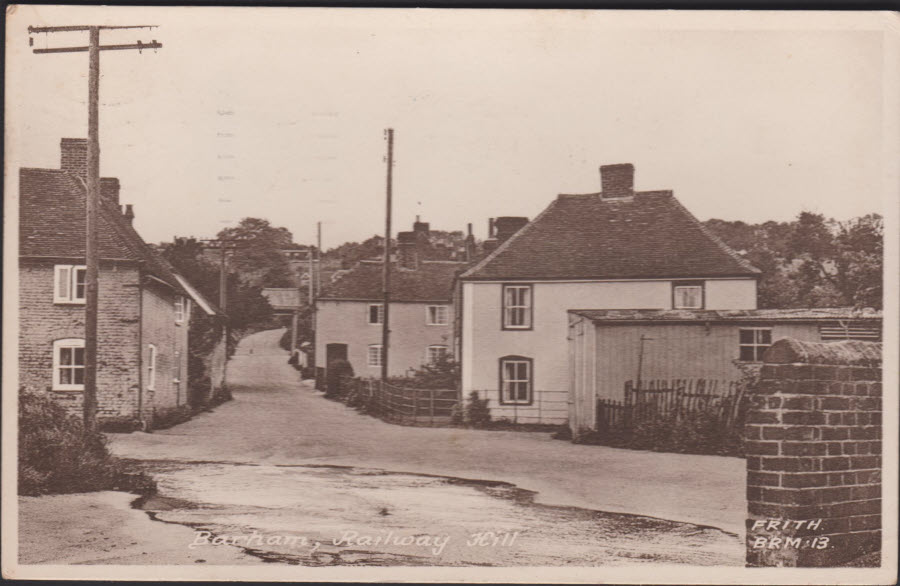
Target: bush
[477,413]
[55,456]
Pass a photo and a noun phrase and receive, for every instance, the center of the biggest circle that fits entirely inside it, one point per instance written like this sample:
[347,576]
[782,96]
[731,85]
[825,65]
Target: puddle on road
[322,515]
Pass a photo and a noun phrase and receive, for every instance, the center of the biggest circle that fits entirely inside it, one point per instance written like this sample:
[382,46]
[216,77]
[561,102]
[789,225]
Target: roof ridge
[715,239]
[505,245]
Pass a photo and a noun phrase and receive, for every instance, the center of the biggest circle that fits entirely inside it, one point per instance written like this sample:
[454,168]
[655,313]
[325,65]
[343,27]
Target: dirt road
[276,419]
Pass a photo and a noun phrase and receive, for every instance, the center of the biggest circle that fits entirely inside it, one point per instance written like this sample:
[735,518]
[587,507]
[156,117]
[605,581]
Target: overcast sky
[280,113]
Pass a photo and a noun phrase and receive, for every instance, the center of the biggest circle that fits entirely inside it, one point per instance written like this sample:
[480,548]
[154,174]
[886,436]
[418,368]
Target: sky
[280,113]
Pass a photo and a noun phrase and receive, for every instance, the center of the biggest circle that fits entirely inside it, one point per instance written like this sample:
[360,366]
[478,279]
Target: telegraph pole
[319,257]
[92,200]
[386,275]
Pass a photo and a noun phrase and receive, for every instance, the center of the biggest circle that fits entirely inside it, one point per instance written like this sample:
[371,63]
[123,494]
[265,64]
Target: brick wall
[158,328]
[41,322]
[814,455]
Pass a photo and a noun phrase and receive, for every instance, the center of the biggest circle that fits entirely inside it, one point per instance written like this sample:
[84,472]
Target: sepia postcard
[450,295]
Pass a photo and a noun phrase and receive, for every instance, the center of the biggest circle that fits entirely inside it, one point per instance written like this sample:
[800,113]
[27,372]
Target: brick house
[616,249]
[145,308]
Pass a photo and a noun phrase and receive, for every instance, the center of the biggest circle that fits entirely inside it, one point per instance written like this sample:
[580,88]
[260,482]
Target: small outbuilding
[609,347]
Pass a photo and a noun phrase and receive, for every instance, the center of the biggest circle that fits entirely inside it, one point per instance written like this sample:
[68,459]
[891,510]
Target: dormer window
[687,295]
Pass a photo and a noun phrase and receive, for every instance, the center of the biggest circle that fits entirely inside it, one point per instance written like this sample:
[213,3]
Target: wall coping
[843,353]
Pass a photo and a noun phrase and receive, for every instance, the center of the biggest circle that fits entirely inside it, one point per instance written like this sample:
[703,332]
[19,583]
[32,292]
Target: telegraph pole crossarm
[92,197]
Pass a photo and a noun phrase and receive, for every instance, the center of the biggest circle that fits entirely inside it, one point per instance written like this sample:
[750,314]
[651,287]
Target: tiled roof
[52,224]
[702,316]
[432,281]
[650,235]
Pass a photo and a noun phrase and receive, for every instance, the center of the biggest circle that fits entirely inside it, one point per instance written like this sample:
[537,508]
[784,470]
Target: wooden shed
[607,348]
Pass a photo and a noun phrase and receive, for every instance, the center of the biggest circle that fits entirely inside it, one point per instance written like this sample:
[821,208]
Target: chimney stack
[407,250]
[109,189]
[73,156]
[421,227]
[129,213]
[506,226]
[617,180]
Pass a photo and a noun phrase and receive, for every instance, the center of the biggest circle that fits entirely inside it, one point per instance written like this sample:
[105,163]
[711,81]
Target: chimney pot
[617,180]
[129,213]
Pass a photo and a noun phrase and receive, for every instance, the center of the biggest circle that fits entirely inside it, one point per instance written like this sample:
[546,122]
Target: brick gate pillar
[813,445]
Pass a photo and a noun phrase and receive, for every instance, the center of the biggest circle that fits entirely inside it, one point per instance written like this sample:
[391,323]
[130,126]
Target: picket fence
[673,400]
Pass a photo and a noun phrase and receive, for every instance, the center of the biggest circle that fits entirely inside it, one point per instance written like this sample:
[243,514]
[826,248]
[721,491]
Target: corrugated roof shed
[709,315]
[432,281]
[649,235]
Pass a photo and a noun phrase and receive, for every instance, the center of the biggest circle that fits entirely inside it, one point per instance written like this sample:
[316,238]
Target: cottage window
[516,376]
[687,295]
[376,314]
[437,315]
[436,354]
[68,365]
[69,283]
[151,367]
[375,355]
[181,309]
[753,343]
[517,307]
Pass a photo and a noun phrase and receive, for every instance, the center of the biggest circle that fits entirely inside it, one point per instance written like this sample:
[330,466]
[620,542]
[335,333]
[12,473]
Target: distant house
[350,313]
[608,347]
[616,249]
[145,307]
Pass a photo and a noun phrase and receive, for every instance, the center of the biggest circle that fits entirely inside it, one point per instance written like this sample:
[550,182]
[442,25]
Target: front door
[335,352]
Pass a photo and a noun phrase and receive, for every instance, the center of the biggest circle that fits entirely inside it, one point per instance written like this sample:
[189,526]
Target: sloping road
[276,419]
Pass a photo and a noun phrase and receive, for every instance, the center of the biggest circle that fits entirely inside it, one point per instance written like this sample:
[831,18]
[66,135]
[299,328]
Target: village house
[145,307]
[350,311]
[609,347]
[616,249]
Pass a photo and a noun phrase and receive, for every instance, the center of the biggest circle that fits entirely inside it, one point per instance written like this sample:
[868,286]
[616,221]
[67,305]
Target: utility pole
[386,275]
[640,367]
[318,257]
[92,200]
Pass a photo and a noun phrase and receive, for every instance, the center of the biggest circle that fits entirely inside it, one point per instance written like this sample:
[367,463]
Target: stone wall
[814,455]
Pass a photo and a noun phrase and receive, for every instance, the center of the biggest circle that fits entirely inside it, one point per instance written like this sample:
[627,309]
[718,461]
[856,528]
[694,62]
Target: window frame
[58,345]
[71,283]
[429,359]
[380,307]
[529,314]
[369,349]
[503,360]
[181,308]
[701,285]
[445,309]
[755,345]
[152,355]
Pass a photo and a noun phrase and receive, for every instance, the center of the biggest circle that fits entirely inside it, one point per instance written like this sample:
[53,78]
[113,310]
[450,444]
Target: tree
[812,261]
[258,258]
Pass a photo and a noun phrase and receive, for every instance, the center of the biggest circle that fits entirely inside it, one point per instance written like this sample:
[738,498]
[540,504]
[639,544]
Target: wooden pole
[318,258]
[92,260]
[223,277]
[385,329]
[92,199]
